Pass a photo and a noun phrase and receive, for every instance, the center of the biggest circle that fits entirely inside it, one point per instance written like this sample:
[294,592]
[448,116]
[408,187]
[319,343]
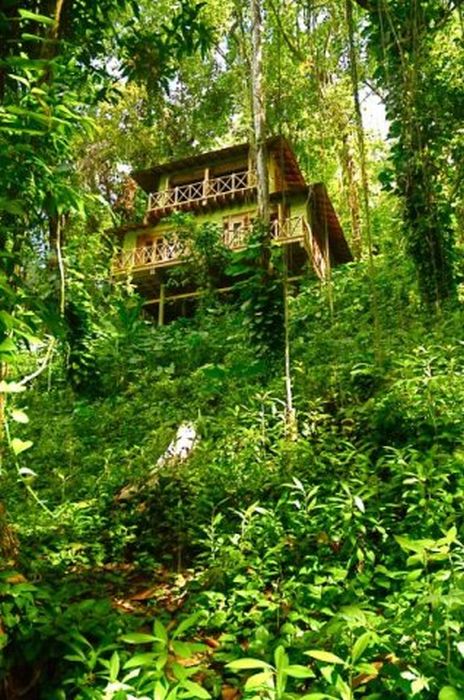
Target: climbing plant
[423,108]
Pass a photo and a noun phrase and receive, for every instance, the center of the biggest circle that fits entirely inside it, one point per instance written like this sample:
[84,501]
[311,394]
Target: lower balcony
[168,250]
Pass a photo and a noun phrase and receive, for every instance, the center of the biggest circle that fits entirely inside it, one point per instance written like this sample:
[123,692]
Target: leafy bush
[326,566]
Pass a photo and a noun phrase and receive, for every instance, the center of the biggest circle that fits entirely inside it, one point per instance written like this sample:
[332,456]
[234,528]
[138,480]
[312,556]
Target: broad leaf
[25,471]
[186,649]
[114,666]
[297,671]
[359,504]
[32,16]
[450,693]
[195,690]
[19,416]
[258,680]
[140,660]
[19,446]
[139,638]
[280,659]
[326,656]
[247,664]
[186,624]
[360,646]
[160,632]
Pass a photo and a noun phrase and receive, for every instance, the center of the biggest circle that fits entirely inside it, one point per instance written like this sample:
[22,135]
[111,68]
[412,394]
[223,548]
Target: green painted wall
[297,204]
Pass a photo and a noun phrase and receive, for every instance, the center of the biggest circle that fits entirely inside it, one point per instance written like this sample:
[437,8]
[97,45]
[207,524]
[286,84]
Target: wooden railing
[163,252]
[291,229]
[201,191]
[169,250]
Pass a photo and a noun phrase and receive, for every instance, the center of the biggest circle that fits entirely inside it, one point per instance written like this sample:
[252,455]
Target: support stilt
[162,298]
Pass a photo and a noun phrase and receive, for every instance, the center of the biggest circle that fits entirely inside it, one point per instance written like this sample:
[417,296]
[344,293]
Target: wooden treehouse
[220,187]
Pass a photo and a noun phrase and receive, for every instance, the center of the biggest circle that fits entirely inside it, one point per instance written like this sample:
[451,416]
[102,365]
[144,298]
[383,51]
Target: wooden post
[162,299]
[250,172]
[206,185]
[280,220]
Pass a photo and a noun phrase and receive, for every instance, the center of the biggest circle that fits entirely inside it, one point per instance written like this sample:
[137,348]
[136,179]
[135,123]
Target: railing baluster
[164,251]
[197,191]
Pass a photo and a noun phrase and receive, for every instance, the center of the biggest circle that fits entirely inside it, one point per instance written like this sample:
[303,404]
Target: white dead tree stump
[179,449]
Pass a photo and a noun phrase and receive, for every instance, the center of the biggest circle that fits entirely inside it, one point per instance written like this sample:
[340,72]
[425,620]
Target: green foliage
[205,255]
[37,621]
[330,566]
[110,671]
[258,273]
[423,149]
[152,57]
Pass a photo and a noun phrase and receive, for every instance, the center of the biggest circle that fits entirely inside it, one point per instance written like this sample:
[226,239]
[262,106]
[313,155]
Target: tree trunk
[291,425]
[259,111]
[352,189]
[359,123]
[8,541]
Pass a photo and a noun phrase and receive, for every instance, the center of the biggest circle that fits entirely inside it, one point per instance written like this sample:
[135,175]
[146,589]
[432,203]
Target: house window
[237,228]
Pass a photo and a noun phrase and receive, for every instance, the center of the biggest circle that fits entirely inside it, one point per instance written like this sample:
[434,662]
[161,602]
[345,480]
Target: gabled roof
[277,145]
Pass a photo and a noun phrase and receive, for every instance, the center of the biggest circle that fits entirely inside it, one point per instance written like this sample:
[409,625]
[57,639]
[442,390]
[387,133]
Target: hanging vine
[401,34]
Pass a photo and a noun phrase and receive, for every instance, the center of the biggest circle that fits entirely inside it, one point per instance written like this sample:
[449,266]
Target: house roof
[325,225]
[278,145]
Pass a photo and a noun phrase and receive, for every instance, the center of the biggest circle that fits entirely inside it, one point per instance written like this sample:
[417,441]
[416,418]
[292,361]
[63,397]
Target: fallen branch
[42,367]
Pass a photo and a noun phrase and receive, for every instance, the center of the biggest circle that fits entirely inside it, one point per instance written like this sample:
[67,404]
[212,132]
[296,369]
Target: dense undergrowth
[330,566]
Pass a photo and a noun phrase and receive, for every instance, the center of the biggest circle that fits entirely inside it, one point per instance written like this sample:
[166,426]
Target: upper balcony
[201,193]
[214,179]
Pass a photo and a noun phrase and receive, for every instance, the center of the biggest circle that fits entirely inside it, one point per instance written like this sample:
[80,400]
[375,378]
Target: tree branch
[291,45]
[42,367]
